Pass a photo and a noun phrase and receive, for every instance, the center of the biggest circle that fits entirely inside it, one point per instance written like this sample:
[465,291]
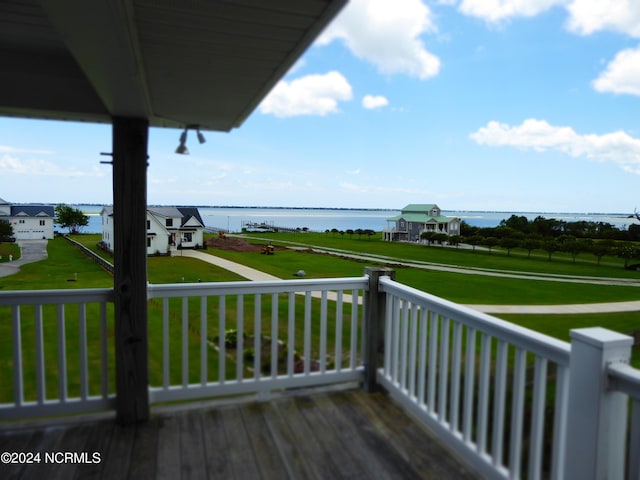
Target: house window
[21,221]
[42,223]
[148,242]
[148,224]
[186,237]
[169,222]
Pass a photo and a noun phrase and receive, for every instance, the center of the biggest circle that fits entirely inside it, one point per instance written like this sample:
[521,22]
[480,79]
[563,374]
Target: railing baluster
[204,347]
[443,370]
[307,333]
[469,377]
[165,344]
[422,355]
[388,336]
[517,413]
[456,372]
[291,334]
[483,393]
[537,418]
[222,337]
[353,353]
[185,341]
[84,357]
[413,340]
[633,467]
[433,362]
[404,343]
[18,380]
[41,387]
[257,337]
[395,349]
[240,338]
[274,335]
[62,354]
[499,399]
[558,453]
[338,352]
[323,331]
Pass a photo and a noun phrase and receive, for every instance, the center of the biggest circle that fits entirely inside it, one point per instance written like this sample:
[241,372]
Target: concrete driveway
[31,251]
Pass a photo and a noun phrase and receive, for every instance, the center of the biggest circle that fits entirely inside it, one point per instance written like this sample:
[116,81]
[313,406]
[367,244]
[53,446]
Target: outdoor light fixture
[182,148]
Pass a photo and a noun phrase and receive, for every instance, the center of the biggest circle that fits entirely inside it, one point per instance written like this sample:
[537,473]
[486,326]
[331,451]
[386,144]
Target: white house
[29,222]
[416,219]
[167,228]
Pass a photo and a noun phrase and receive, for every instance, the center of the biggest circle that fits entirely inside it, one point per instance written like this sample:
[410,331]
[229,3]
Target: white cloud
[387,34]
[309,95]
[617,147]
[8,149]
[13,165]
[499,10]
[585,16]
[589,16]
[622,74]
[374,101]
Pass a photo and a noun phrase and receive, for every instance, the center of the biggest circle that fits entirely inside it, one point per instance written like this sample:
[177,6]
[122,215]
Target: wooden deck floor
[337,434]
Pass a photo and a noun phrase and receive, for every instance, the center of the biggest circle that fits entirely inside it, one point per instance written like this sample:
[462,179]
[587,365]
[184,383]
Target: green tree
[550,246]
[530,244]
[455,240]
[490,242]
[6,230]
[600,249]
[509,243]
[71,218]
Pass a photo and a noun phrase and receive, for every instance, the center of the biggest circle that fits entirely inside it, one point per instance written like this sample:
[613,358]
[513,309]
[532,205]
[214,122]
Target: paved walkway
[253,274]
[30,251]
[242,270]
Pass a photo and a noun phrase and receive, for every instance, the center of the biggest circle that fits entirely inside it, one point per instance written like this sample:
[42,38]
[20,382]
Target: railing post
[596,418]
[375,307]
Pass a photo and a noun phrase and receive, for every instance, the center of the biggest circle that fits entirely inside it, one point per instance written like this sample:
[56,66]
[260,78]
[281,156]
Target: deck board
[309,435]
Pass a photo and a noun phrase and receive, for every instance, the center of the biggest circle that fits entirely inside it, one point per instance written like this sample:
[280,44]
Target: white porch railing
[255,337]
[501,395]
[55,357]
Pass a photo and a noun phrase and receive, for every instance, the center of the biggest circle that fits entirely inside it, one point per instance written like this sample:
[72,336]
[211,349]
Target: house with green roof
[416,219]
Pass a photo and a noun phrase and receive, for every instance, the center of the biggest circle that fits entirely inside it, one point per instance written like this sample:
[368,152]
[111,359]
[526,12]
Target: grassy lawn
[7,249]
[457,287]
[561,263]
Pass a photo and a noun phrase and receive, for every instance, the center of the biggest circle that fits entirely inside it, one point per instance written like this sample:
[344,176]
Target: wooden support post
[130,268]
[375,311]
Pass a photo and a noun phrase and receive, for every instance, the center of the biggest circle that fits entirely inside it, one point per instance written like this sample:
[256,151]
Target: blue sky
[507,105]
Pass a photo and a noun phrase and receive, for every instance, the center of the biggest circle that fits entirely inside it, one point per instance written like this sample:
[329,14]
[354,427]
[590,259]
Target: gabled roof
[167,212]
[188,213]
[32,211]
[419,207]
[176,63]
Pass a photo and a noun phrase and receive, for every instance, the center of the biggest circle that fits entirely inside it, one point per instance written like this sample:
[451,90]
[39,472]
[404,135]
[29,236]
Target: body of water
[321,219]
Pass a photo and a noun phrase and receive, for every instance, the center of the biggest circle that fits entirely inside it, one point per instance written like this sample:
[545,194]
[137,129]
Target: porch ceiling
[174,62]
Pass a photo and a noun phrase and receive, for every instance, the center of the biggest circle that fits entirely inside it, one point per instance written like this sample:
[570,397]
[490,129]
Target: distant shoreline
[357,209]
